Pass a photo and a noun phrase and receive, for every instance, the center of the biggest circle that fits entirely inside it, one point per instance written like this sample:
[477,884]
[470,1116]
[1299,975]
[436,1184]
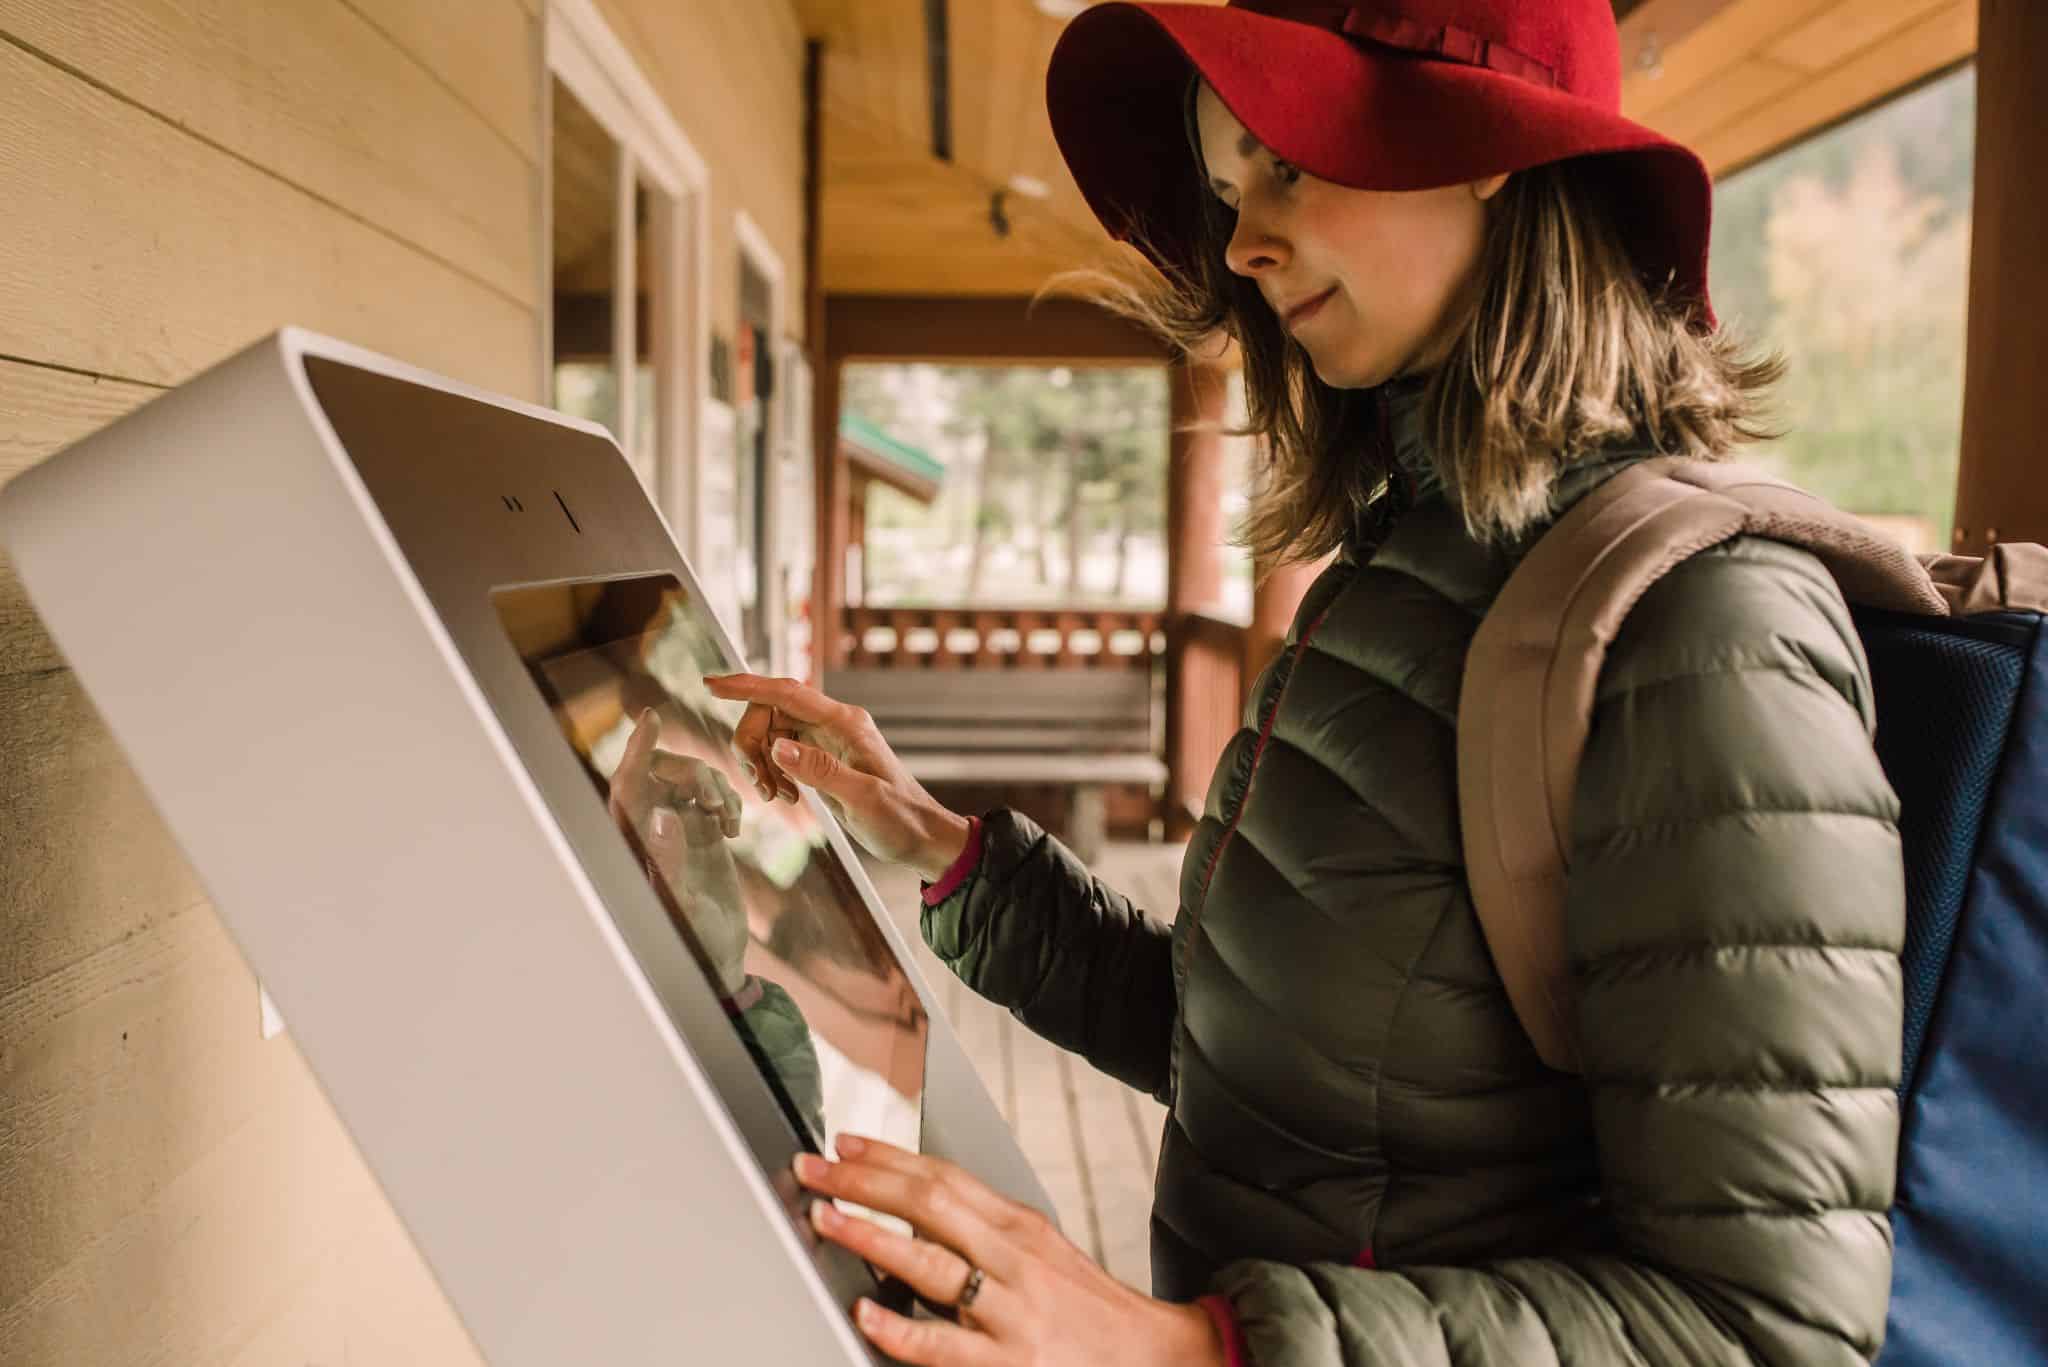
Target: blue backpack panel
[1962,732]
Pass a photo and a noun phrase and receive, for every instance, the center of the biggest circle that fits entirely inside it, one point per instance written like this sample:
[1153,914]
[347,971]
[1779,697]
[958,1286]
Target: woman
[1466,291]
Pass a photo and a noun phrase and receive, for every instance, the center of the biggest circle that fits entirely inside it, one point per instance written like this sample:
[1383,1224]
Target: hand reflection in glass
[680,812]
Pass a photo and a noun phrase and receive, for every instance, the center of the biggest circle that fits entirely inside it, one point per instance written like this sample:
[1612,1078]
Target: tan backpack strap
[1534,665]
[2013,578]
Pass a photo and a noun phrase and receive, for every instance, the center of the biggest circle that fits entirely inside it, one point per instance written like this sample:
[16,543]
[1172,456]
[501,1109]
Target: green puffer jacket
[1364,1153]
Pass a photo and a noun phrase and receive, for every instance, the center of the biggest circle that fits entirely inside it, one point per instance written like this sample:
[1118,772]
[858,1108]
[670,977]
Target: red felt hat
[1381,95]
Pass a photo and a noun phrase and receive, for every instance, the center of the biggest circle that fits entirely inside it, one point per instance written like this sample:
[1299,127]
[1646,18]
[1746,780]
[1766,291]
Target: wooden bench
[1077,728]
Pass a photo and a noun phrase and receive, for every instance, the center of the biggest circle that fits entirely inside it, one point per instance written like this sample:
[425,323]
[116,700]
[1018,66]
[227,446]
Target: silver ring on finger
[970,1288]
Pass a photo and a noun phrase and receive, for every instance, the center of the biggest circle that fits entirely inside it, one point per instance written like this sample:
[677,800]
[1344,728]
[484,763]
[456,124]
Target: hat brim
[1354,113]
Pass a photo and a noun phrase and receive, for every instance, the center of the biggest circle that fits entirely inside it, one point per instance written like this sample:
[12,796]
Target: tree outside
[1055,487]
[1849,254]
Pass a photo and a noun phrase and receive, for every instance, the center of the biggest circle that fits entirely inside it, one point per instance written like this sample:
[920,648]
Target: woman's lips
[1300,312]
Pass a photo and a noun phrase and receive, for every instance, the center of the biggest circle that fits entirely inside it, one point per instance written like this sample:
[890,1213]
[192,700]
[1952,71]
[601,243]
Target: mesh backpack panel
[1945,698]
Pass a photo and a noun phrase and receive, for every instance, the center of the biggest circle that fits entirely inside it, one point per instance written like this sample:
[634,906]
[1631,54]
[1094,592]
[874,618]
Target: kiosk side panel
[393,878]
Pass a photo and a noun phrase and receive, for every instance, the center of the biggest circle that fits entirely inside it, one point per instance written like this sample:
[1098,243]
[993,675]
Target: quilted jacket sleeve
[1031,930]
[1736,907]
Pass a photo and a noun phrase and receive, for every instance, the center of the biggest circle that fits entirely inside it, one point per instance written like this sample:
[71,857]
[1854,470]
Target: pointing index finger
[799,700]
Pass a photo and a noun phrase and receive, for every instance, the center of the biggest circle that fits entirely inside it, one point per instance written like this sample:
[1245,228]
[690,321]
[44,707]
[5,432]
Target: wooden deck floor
[1092,1140]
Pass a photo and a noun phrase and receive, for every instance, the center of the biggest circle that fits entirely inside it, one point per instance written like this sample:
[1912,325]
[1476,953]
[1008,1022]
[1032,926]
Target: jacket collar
[1417,479]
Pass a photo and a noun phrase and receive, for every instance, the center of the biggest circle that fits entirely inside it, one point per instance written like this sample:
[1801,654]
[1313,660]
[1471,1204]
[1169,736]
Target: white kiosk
[376,643]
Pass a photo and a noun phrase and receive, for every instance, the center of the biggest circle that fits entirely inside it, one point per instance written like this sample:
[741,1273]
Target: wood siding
[184,176]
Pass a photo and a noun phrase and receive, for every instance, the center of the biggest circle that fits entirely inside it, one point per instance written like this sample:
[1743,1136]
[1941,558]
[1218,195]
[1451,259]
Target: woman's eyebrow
[1247,148]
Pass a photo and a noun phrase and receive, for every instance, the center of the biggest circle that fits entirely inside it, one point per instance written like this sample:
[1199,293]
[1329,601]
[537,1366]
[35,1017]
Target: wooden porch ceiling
[1736,79]
[896,219]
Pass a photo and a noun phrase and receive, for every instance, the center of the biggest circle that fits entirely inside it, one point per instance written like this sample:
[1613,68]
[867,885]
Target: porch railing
[1003,638]
[1199,659]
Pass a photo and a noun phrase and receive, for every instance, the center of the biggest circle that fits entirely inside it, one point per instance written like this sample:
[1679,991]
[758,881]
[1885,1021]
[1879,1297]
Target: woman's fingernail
[809,1167]
[664,823]
[785,751]
[869,1314]
[851,1145]
[825,1217]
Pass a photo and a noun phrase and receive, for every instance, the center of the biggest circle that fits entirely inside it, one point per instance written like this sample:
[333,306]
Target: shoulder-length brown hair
[1561,348]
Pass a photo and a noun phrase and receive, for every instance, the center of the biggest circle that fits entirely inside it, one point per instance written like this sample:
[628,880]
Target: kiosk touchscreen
[760,899]
[414,673]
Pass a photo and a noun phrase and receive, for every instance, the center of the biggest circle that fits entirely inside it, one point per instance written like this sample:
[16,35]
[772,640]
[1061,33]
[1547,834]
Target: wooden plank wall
[732,74]
[183,176]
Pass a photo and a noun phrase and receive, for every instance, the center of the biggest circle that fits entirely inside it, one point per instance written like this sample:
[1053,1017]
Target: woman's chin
[1350,372]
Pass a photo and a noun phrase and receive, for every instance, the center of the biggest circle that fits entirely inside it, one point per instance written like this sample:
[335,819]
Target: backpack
[1959,662]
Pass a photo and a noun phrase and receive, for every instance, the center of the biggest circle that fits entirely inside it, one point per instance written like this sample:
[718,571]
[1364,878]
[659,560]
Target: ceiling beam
[939,64]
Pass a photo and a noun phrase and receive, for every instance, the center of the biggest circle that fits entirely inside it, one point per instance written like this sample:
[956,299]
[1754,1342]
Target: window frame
[580,49]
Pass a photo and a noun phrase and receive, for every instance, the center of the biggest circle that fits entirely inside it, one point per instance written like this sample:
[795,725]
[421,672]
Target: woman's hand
[794,732]
[1041,1300]
[682,812]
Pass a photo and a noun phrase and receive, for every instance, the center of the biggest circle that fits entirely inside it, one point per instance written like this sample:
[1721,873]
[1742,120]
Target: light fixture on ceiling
[1060,9]
[1024,187]
[1650,56]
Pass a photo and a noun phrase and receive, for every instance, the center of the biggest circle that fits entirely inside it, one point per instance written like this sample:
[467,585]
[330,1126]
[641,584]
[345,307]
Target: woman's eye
[1286,172]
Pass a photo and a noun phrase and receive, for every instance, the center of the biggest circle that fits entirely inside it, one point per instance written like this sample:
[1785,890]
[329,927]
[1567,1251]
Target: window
[1850,254]
[584,259]
[1006,486]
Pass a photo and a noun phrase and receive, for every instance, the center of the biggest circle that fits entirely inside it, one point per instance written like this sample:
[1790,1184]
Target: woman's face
[1368,282]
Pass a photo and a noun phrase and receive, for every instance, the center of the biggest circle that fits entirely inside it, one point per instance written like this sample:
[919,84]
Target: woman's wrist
[1203,1337]
[944,845]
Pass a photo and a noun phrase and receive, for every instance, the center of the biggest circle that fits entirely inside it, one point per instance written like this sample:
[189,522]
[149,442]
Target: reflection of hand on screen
[681,811]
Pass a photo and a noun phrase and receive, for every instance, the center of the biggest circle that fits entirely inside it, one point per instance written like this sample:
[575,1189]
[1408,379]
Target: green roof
[858,430]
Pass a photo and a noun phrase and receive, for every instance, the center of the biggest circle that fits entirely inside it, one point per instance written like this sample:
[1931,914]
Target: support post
[828,484]
[1194,573]
[854,591]
[834,498]
[2000,492]
[1275,600]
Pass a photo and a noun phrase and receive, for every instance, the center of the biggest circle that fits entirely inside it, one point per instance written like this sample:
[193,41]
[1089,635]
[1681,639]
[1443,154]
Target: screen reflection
[761,899]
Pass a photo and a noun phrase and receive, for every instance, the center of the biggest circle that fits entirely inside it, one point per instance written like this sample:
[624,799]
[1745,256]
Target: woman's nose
[1253,249]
